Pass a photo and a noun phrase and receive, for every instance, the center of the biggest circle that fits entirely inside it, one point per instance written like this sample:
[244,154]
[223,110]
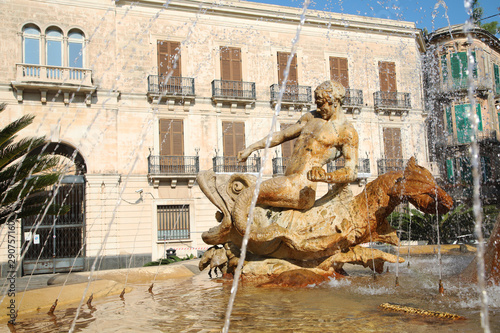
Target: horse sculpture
[330,233]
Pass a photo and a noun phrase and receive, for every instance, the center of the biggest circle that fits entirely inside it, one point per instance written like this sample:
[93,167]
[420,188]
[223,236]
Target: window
[496,73]
[54,47]
[392,149]
[460,68]
[167,51]
[387,74]
[171,137]
[464,127]
[31,45]
[172,146]
[230,60]
[287,147]
[292,73]
[173,222]
[233,137]
[339,71]
[75,49]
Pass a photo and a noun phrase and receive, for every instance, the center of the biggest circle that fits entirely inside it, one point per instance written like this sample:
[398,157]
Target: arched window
[54,49]
[75,49]
[31,45]
[54,46]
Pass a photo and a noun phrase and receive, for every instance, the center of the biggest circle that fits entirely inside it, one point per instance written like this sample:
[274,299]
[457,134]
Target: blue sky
[419,11]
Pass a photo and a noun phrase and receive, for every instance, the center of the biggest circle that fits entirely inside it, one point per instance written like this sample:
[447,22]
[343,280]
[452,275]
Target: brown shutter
[233,137]
[171,137]
[166,57]
[387,74]
[287,147]
[292,75]
[392,143]
[230,58]
[339,70]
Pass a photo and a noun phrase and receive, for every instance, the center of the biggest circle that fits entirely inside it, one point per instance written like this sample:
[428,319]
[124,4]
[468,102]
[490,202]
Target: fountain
[299,250]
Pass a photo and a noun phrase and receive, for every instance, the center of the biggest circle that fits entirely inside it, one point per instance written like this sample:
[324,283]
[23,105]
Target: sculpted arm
[277,138]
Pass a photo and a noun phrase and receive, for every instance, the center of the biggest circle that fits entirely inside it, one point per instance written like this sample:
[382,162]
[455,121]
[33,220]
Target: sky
[419,11]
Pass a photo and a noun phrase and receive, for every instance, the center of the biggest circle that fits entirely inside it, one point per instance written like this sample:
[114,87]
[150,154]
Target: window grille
[173,222]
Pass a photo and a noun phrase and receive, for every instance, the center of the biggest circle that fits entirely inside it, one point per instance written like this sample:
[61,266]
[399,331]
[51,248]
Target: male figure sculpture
[322,136]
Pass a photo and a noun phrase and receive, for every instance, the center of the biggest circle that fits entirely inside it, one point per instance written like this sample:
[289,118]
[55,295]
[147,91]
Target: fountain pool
[198,304]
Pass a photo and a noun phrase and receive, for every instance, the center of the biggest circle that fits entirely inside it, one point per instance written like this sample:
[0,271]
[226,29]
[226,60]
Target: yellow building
[141,95]
[464,78]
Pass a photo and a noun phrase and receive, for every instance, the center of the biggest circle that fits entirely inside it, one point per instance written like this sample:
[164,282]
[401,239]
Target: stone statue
[290,230]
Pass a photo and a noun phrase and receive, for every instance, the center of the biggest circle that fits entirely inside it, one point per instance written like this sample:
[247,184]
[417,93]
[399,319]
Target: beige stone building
[141,95]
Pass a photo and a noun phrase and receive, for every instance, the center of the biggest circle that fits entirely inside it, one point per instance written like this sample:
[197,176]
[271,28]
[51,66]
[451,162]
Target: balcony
[53,78]
[173,168]
[353,101]
[174,89]
[391,102]
[294,96]
[233,93]
[465,139]
[391,164]
[481,83]
[363,167]
[279,165]
[229,164]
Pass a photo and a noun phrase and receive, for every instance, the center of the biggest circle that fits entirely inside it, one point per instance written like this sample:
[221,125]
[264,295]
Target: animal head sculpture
[419,187]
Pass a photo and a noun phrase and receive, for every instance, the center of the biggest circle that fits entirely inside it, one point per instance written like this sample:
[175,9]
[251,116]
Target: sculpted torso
[318,143]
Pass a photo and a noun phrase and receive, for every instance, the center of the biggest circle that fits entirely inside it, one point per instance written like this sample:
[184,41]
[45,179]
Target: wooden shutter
[292,74]
[166,57]
[387,74]
[392,143]
[339,70]
[496,72]
[233,137]
[230,58]
[171,137]
[287,147]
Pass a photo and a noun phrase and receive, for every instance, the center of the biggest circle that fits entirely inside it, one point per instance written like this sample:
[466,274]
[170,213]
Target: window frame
[54,39]
[75,41]
[33,37]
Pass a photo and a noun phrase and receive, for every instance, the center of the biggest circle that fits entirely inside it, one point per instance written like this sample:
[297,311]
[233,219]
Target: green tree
[24,178]
[457,222]
[477,16]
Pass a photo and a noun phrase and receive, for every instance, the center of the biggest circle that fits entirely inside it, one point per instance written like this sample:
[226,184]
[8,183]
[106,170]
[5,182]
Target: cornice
[282,15]
[457,31]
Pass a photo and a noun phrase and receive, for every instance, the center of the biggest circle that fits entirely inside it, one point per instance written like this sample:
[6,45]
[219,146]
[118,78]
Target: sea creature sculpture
[329,234]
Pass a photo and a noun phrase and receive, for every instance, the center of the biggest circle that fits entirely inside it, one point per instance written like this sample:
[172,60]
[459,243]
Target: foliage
[171,259]
[23,177]
[477,15]
[457,222]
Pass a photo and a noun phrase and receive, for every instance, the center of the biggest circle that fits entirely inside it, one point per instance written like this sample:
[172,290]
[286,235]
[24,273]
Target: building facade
[139,96]
[463,86]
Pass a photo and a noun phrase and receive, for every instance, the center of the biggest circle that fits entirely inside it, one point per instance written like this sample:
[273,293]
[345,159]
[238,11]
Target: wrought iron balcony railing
[292,94]
[178,165]
[230,164]
[234,90]
[158,84]
[363,167]
[53,74]
[392,99]
[279,165]
[391,164]
[353,97]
